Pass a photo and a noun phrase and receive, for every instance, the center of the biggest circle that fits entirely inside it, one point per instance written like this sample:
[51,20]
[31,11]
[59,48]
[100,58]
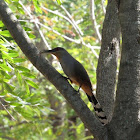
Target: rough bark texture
[108,59]
[23,41]
[125,122]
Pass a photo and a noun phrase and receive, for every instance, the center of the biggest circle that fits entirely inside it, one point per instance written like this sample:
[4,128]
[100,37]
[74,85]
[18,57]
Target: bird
[77,74]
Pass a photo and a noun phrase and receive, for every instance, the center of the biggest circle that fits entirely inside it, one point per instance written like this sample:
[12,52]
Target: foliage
[31,108]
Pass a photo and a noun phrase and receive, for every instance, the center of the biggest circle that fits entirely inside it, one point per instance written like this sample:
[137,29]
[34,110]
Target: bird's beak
[47,51]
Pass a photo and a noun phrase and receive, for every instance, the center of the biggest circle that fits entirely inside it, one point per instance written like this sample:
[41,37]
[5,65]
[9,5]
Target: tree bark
[108,59]
[125,122]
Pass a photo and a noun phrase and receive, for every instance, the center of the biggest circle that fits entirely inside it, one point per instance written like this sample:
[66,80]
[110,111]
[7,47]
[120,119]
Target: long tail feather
[98,109]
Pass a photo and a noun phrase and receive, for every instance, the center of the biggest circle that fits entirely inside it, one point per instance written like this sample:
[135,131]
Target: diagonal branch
[7,111]
[22,39]
[66,18]
[37,26]
[70,17]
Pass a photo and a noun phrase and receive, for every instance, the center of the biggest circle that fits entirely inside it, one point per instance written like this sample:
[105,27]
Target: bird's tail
[98,109]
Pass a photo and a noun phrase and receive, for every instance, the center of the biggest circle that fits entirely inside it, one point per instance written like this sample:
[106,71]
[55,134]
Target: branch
[108,59]
[23,41]
[66,18]
[70,17]
[92,5]
[54,31]
[40,32]
[67,38]
[103,7]
[37,23]
[7,110]
[72,40]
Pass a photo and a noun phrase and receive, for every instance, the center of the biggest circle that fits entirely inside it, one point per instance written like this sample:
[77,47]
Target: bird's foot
[67,78]
[79,89]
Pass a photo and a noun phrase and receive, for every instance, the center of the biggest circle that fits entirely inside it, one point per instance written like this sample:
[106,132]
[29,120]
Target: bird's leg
[67,78]
[79,88]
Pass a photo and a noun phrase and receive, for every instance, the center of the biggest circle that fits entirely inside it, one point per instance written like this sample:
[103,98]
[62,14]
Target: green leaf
[34,100]
[27,29]
[21,68]
[4,67]
[29,75]
[15,104]
[13,54]
[6,44]
[5,80]
[6,56]
[5,33]
[31,83]
[37,111]
[5,74]
[27,112]
[27,87]
[80,127]
[59,2]
[1,41]
[19,60]
[16,2]
[2,94]
[1,24]
[3,47]
[20,81]
[31,35]
[87,138]
[9,99]
[37,6]
[20,10]
[8,87]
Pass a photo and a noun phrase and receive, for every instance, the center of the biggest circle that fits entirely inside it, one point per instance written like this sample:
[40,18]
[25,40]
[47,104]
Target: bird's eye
[58,49]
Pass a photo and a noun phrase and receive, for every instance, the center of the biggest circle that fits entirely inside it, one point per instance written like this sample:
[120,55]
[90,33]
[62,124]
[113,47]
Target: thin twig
[50,29]
[10,44]
[92,5]
[72,40]
[92,49]
[103,7]
[67,38]
[70,17]
[66,18]
[40,32]
[37,23]
[7,111]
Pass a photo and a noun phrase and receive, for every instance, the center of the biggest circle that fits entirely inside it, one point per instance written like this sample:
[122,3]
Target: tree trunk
[125,122]
[108,59]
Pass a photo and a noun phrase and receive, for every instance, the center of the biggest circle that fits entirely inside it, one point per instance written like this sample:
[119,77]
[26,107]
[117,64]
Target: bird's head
[58,52]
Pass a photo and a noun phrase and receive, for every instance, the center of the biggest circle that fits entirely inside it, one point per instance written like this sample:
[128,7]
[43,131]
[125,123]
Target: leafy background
[30,106]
